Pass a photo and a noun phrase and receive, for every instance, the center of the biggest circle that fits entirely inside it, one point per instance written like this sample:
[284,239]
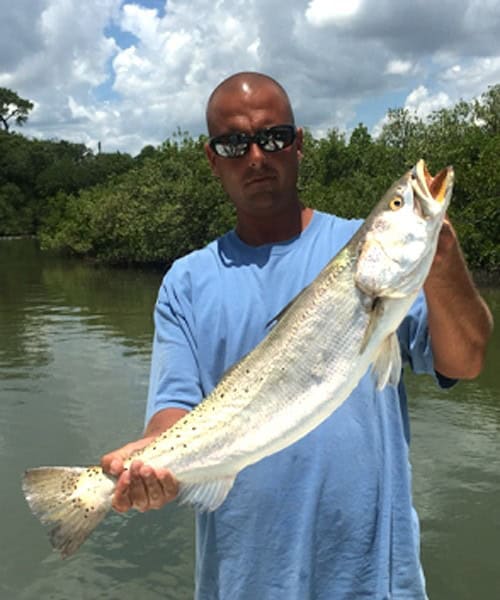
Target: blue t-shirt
[330,517]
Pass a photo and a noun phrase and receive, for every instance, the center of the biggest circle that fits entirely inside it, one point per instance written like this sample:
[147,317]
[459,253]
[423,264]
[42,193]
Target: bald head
[244,84]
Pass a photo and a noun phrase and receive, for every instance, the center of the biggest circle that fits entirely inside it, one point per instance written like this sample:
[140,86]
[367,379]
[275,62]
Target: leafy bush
[165,202]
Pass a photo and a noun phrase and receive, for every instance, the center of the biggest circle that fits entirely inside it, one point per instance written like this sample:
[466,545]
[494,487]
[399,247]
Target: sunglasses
[272,139]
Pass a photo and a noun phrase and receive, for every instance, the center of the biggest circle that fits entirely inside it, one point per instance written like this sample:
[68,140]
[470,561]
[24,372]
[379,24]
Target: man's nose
[256,154]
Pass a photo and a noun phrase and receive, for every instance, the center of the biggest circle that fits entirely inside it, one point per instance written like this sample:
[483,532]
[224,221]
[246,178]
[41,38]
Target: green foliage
[15,214]
[154,213]
[40,170]
[13,107]
[487,110]
[164,202]
[466,136]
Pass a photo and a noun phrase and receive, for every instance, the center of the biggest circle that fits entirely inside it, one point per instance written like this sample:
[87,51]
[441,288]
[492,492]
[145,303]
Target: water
[74,360]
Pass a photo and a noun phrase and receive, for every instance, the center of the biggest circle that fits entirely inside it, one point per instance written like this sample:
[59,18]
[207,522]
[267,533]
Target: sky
[130,73]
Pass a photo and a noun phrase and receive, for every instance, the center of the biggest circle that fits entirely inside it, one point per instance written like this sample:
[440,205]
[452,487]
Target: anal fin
[207,495]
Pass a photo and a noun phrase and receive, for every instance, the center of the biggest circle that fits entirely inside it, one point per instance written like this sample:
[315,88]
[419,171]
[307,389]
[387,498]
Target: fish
[334,331]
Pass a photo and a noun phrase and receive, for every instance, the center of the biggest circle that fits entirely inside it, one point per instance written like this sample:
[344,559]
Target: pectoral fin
[207,495]
[375,308]
[387,366]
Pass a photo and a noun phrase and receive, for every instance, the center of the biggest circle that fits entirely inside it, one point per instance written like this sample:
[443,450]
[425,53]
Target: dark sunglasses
[272,139]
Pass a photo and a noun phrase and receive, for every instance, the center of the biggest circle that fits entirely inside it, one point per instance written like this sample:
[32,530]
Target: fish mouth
[431,193]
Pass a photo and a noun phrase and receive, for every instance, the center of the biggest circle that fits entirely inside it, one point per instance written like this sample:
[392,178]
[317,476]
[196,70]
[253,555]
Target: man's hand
[140,487]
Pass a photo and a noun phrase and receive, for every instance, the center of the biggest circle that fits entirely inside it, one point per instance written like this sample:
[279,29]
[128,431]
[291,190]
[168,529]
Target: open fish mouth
[431,192]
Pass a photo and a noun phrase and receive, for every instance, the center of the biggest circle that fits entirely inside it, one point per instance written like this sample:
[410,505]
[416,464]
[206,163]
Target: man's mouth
[260,179]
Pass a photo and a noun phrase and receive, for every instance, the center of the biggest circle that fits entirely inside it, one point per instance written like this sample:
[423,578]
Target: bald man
[330,517]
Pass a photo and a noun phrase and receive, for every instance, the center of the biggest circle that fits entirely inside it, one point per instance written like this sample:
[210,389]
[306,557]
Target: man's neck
[271,229]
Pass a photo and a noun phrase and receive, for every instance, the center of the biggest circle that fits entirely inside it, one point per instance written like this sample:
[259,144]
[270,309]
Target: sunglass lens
[270,140]
[232,146]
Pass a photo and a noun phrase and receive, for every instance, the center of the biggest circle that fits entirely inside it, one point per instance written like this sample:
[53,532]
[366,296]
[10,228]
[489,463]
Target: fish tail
[70,500]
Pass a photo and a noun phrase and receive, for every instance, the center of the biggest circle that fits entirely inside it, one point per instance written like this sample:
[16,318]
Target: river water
[74,359]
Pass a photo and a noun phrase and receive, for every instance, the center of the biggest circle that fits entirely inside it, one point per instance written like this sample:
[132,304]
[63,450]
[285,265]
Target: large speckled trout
[314,356]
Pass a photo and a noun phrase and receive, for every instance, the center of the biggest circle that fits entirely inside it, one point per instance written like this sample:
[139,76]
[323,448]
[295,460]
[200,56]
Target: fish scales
[316,353]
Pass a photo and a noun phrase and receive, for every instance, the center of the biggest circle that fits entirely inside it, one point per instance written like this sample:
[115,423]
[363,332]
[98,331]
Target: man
[331,516]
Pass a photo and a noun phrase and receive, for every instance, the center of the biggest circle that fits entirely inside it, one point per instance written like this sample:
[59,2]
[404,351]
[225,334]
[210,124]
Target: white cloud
[398,67]
[144,23]
[326,12]
[253,49]
[419,102]
[474,75]
[127,75]
[423,103]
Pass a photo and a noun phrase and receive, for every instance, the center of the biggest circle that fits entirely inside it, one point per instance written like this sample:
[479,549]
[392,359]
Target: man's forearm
[460,322]
[163,420]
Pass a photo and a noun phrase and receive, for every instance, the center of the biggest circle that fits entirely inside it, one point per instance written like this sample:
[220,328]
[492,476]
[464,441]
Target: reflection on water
[456,458]
[74,360]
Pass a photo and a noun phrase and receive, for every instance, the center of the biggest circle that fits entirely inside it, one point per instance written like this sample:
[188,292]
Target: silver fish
[293,380]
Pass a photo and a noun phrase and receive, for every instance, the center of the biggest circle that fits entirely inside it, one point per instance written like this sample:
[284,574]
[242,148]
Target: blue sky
[131,73]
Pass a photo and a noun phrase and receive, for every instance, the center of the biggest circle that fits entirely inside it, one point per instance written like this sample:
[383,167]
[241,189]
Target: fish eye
[396,203]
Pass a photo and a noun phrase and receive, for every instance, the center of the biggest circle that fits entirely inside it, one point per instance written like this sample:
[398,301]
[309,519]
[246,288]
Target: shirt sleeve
[414,338]
[174,378]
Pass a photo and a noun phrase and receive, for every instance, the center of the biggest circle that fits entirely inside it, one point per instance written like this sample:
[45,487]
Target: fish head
[400,235]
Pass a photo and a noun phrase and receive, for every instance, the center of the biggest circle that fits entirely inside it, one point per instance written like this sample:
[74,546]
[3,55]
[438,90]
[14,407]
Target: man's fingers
[138,494]
[154,488]
[143,488]
[121,499]
[168,483]
[113,462]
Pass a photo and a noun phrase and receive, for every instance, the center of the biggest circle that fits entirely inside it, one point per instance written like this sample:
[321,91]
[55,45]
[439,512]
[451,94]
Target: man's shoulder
[197,258]
[336,221]
[228,250]
[335,230]
[195,265]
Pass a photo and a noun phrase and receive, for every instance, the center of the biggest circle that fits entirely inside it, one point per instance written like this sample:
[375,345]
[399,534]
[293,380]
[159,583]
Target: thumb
[113,462]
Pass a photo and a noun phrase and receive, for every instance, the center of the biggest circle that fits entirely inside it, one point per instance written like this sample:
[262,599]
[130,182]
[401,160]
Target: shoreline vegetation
[482,278]
[159,205]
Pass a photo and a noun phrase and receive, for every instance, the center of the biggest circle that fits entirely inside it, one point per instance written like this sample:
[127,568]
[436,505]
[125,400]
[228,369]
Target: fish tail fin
[70,500]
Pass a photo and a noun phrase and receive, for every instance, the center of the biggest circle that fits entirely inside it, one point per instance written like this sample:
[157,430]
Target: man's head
[260,182]
[248,81]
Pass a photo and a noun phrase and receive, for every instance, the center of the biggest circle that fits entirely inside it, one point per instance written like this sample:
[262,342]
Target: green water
[74,359]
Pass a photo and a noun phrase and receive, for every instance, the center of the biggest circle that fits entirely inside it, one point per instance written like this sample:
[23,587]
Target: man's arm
[460,323]
[142,487]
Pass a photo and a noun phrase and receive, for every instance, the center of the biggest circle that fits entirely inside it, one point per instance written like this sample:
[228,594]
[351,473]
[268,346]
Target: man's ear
[299,141]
